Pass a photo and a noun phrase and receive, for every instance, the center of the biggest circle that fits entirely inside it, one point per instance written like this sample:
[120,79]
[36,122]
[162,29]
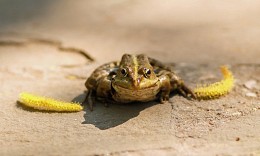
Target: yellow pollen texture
[48,104]
[216,89]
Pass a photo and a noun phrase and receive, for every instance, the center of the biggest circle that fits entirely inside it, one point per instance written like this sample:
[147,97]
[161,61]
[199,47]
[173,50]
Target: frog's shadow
[115,114]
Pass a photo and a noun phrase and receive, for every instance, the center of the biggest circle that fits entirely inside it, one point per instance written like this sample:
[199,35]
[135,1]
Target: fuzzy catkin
[48,104]
[215,90]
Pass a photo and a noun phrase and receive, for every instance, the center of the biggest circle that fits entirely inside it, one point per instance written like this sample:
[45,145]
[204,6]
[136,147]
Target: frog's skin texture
[134,78]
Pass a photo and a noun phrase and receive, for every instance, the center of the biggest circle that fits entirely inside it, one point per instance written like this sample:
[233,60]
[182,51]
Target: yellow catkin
[48,104]
[217,89]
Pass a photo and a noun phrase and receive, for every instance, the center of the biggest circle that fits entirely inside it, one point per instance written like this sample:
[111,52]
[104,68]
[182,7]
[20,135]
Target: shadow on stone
[115,114]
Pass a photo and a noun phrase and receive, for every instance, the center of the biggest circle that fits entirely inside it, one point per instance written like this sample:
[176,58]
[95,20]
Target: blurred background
[194,31]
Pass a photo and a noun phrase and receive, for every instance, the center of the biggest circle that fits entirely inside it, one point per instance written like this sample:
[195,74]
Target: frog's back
[159,67]
[101,72]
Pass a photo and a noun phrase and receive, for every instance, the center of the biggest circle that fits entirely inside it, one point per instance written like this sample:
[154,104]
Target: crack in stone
[76,50]
[12,43]
[57,44]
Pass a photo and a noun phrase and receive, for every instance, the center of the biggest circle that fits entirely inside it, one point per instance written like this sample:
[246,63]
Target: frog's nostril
[136,82]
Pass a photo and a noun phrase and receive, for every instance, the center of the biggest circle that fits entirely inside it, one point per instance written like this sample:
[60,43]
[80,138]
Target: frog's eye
[124,72]
[147,72]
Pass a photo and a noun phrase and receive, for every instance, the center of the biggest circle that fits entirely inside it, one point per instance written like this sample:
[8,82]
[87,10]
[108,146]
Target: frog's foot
[164,97]
[106,104]
[186,91]
[89,101]
[103,100]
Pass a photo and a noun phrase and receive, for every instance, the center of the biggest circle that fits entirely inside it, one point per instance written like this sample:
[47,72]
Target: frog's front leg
[170,82]
[165,88]
[103,90]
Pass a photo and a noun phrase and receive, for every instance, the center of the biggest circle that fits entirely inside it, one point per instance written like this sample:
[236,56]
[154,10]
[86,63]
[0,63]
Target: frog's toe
[164,99]
[88,100]
[186,92]
[90,103]
[106,104]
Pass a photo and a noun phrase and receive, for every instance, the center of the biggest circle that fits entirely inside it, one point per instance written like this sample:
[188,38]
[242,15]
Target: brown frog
[134,78]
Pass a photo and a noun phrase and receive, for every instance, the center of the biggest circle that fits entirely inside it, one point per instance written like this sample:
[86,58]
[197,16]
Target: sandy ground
[50,47]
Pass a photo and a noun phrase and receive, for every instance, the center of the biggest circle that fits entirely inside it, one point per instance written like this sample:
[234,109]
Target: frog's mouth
[125,95]
[117,87]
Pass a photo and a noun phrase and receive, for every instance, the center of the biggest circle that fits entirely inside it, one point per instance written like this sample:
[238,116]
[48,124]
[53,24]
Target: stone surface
[49,48]
[250,94]
[251,84]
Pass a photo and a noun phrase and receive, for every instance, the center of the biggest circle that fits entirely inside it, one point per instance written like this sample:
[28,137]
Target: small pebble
[236,114]
[250,94]
[250,84]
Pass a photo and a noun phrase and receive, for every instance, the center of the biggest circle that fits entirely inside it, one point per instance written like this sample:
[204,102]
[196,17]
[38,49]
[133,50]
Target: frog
[136,78]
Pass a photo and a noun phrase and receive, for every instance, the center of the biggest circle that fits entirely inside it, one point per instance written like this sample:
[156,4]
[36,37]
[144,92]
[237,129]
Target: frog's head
[134,73]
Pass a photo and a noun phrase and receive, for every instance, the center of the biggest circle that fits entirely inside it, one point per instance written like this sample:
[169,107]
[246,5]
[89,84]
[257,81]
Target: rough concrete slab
[50,48]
